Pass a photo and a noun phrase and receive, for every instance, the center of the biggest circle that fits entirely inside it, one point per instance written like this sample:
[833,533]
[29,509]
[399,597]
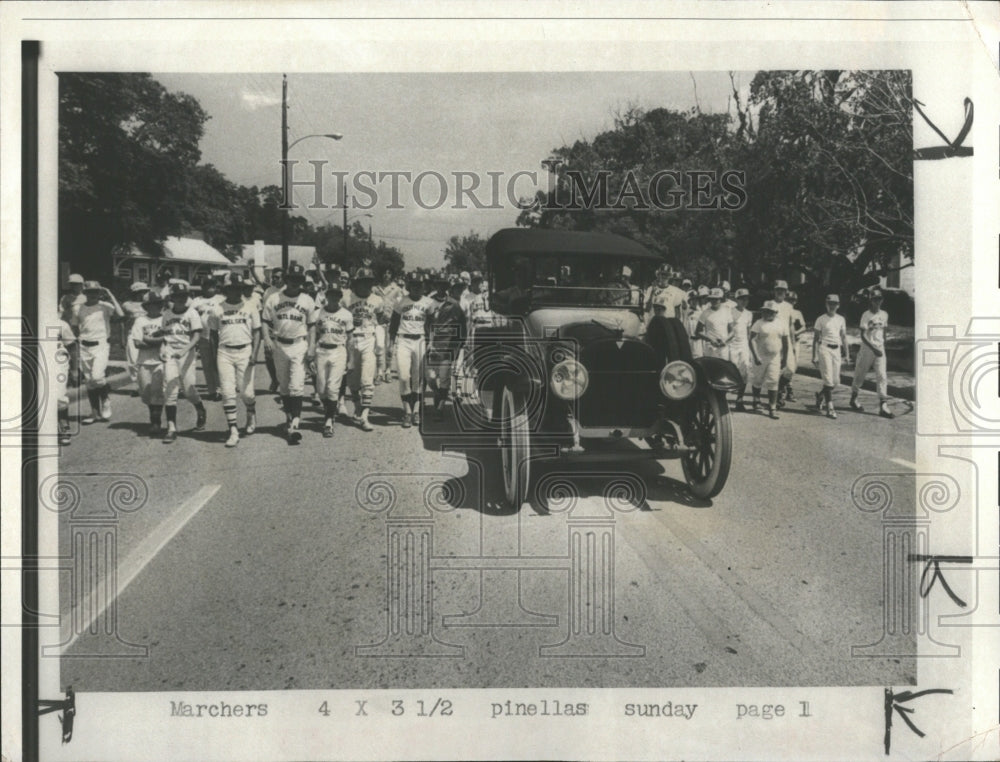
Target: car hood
[579,323]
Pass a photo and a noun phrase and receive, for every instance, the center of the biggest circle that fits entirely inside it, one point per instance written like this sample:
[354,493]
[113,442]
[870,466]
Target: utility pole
[370,242]
[286,201]
[345,225]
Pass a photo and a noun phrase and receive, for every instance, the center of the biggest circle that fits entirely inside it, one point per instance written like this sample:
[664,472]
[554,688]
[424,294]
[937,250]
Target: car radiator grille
[624,385]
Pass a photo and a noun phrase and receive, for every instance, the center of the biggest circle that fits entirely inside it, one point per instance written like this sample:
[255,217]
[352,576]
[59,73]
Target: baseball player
[145,341]
[334,326]
[182,328]
[739,347]
[277,283]
[784,308]
[448,329]
[768,344]
[72,299]
[698,300]
[93,321]
[715,326]
[361,378]
[408,329]
[872,353]
[67,341]
[134,307]
[234,332]
[204,304]
[829,347]
[390,294]
[797,328]
[161,283]
[290,329]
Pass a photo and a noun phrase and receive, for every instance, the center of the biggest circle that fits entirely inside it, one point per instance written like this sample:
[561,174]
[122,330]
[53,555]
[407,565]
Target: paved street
[267,566]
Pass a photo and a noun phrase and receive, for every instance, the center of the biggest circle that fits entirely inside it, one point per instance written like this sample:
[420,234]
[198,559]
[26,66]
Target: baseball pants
[290,367]
[178,372]
[740,356]
[361,378]
[149,377]
[829,365]
[235,367]
[410,359]
[209,366]
[864,362]
[331,364]
[765,376]
[380,347]
[94,364]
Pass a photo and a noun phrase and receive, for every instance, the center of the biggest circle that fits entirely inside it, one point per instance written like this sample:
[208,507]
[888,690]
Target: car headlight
[569,380]
[677,380]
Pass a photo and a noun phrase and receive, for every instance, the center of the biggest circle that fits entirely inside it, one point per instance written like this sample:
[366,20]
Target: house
[268,256]
[188,258]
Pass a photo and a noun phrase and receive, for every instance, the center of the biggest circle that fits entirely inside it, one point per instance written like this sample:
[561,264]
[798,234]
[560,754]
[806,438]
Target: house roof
[269,254]
[545,241]
[188,250]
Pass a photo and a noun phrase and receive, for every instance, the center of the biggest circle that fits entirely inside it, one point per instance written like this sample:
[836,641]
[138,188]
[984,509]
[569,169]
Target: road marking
[133,565]
[904,463]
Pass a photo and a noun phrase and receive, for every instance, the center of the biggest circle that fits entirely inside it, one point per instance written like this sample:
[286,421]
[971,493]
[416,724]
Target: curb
[902,392]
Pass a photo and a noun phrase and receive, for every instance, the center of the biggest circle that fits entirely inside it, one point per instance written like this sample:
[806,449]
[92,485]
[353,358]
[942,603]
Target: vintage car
[568,363]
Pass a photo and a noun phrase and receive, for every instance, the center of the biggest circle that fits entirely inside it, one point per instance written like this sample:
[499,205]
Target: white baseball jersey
[365,312]
[873,324]
[147,335]
[177,328]
[828,328]
[414,315]
[742,320]
[768,335]
[716,323]
[235,323]
[204,304]
[334,327]
[289,316]
[94,320]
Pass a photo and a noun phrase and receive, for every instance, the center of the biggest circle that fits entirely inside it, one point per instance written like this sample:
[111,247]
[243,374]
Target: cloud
[258,100]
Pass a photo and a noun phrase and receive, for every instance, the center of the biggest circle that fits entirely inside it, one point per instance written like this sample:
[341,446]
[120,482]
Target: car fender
[719,374]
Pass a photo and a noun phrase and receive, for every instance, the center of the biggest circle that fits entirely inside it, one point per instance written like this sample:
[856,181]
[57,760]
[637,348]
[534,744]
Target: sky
[425,123]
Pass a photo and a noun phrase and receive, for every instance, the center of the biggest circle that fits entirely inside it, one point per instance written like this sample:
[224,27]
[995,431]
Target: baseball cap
[741,292]
[152,297]
[833,298]
[92,285]
[874,293]
[296,271]
[781,284]
[702,290]
[180,288]
[725,285]
[75,278]
[233,280]
[769,306]
[715,293]
[138,286]
[465,277]
[364,273]
[792,296]
[686,283]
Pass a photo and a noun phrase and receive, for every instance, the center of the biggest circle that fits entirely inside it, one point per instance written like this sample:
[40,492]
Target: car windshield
[596,280]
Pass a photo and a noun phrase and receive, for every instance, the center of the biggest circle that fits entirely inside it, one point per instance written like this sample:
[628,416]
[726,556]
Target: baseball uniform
[873,327]
[411,344]
[828,332]
[290,318]
[717,323]
[236,326]
[361,378]
[739,347]
[203,305]
[447,334]
[93,323]
[767,337]
[67,339]
[145,340]
[178,361]
[333,331]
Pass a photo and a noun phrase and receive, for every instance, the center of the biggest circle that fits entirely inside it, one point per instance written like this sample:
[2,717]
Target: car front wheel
[708,429]
[515,447]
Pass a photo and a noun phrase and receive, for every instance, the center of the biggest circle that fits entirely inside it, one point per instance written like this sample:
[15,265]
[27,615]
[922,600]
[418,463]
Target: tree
[830,175]
[465,253]
[127,147]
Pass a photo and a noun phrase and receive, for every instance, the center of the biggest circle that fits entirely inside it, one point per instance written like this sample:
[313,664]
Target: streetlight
[285,218]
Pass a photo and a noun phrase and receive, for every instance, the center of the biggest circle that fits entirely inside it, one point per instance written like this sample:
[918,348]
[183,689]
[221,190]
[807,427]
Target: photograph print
[477,380]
